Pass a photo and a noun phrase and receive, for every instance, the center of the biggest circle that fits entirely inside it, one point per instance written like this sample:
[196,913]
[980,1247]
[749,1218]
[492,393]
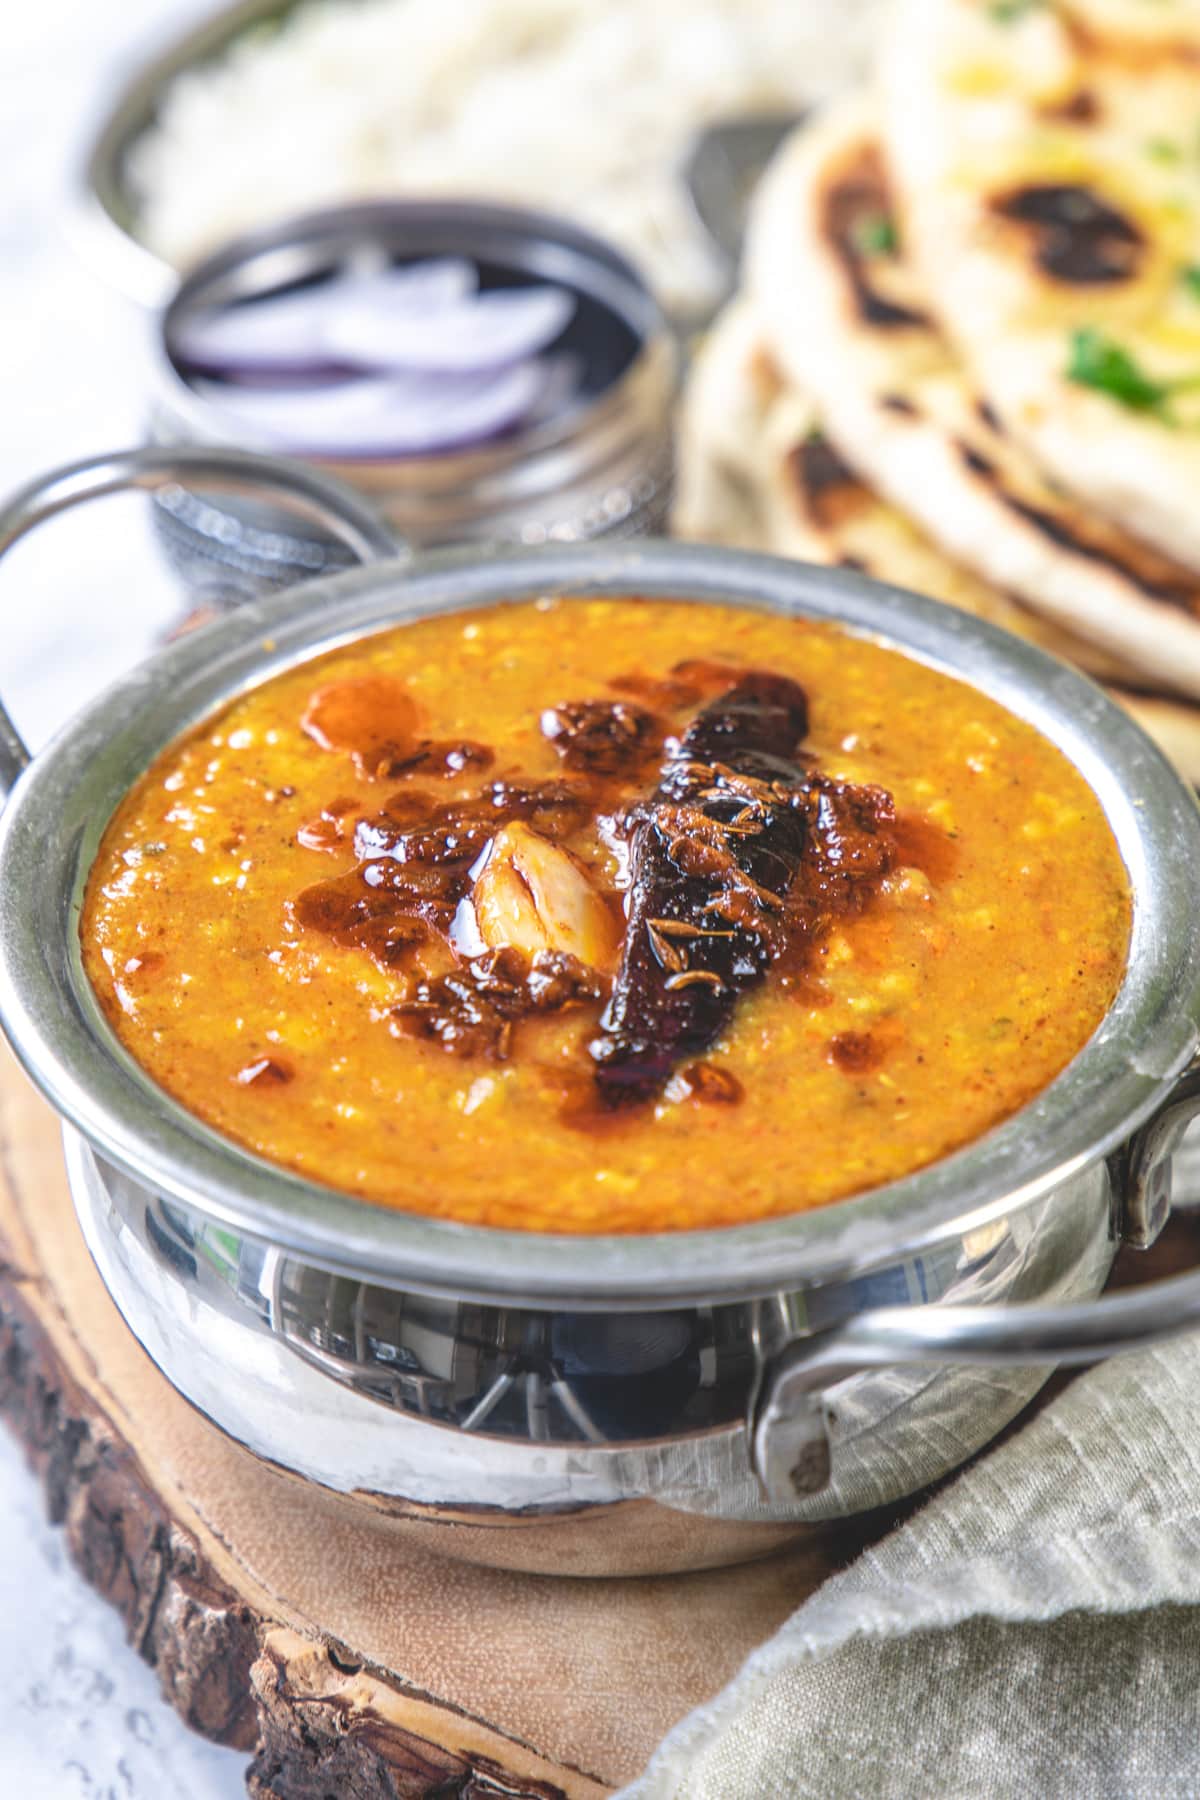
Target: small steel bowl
[717,167]
[602,467]
[608,1404]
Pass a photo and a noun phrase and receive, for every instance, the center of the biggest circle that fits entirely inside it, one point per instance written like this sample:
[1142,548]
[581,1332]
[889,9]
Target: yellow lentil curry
[607,915]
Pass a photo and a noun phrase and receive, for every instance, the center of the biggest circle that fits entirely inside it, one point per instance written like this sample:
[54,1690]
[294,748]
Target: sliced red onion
[484,331]
[288,334]
[377,416]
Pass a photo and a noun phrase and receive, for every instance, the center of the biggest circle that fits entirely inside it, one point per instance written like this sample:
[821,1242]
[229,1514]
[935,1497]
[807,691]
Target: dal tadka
[568,915]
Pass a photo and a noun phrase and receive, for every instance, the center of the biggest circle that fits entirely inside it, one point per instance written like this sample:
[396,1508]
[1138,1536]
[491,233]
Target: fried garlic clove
[533,895]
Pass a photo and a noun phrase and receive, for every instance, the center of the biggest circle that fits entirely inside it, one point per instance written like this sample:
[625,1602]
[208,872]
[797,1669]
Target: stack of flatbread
[966,353]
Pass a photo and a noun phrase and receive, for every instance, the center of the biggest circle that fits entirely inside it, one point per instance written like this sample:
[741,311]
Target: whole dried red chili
[741,850]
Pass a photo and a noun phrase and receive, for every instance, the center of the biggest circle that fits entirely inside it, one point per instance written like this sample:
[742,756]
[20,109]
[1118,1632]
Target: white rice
[581,106]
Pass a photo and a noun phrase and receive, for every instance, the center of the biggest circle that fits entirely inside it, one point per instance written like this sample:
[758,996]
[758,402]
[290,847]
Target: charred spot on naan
[988,416]
[978,463]
[1080,107]
[829,492]
[1082,534]
[901,405]
[1074,235]
[858,222]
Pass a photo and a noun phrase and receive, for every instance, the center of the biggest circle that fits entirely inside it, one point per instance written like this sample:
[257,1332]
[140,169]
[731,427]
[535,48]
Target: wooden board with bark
[284,1622]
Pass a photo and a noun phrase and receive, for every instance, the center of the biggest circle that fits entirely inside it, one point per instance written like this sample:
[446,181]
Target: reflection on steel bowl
[610,1403]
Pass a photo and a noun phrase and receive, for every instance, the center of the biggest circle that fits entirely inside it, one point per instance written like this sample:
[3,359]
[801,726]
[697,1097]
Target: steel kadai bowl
[609,1405]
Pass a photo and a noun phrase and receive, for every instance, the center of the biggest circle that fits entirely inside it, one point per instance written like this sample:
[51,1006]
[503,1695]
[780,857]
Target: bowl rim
[52,824]
[101,204]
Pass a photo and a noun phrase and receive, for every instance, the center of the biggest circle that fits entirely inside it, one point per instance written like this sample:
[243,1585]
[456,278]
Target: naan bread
[756,470]
[846,319]
[1133,25]
[1049,182]
[730,394]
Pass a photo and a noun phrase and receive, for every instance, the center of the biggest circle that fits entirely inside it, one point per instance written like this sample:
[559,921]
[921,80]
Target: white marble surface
[79,1712]
[81,1717]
